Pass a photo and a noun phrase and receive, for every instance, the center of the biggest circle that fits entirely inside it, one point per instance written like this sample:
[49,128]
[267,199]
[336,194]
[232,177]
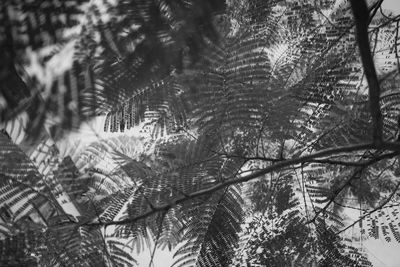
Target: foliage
[281,236]
[250,129]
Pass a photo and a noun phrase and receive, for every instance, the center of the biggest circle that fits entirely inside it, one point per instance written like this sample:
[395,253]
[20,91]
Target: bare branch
[372,211]
[237,180]
[374,8]
[336,193]
[257,174]
[336,162]
[395,46]
[361,16]
[347,206]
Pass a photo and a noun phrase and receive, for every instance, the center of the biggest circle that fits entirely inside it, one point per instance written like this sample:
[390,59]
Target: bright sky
[382,253]
[393,5]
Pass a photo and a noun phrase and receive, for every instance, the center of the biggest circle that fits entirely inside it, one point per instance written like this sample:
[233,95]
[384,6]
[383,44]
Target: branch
[361,16]
[275,167]
[347,206]
[372,211]
[374,8]
[348,181]
[321,161]
[336,193]
[390,21]
[336,162]
[237,180]
[395,46]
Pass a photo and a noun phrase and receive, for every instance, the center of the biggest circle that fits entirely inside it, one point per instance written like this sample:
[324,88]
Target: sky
[382,253]
[393,5]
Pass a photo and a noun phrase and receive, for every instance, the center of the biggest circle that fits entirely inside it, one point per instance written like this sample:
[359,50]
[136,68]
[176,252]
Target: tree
[261,124]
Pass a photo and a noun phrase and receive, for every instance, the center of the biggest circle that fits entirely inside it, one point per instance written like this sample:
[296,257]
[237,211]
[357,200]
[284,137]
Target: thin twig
[347,206]
[372,211]
[336,193]
[348,181]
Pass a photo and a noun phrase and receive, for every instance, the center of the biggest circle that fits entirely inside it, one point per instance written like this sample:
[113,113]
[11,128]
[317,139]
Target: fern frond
[22,186]
[220,220]
[30,26]
[119,256]
[281,236]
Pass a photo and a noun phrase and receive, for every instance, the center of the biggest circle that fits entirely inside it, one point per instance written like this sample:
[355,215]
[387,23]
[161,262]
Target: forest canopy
[229,133]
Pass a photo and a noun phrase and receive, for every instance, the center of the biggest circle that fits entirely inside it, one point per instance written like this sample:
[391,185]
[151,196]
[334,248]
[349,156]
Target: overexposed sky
[394,6]
[382,253]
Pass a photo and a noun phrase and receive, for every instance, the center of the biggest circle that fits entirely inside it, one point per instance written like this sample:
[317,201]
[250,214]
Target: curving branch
[374,8]
[238,180]
[256,174]
[362,19]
